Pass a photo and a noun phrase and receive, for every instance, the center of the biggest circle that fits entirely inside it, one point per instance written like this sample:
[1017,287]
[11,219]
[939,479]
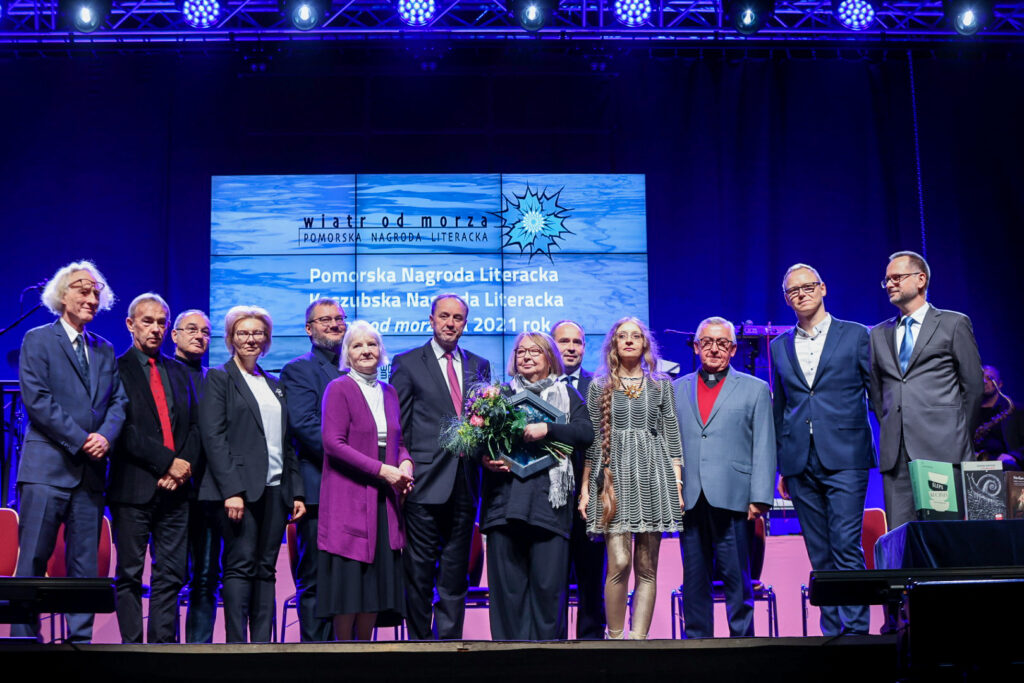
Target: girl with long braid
[631,491]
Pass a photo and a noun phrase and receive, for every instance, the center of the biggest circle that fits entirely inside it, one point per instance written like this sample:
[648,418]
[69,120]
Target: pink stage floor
[786,567]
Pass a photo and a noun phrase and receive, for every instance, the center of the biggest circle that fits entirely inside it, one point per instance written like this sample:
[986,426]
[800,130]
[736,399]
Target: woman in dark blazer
[252,471]
[367,473]
[528,521]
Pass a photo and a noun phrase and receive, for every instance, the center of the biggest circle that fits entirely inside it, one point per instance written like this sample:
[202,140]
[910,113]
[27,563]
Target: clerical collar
[711,379]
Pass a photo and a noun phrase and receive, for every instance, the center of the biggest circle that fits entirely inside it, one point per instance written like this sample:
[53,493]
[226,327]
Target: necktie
[907,346]
[157,387]
[571,381]
[83,362]
[453,385]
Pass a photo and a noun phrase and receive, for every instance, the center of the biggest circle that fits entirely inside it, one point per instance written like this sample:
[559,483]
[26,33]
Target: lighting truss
[672,23]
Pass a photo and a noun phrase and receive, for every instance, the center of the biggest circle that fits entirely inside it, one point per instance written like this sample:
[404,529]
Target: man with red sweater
[728,434]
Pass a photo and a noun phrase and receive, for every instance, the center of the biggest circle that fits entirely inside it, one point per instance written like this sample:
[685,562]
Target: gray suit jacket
[731,458]
[935,405]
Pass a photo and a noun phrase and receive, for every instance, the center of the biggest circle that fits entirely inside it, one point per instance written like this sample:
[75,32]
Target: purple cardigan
[348,490]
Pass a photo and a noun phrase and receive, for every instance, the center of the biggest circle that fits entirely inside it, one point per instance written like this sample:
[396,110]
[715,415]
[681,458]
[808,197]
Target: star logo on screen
[534,221]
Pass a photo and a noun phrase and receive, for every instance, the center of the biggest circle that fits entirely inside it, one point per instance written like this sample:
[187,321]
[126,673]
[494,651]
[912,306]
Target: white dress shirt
[443,362]
[901,329]
[808,347]
[270,414]
[73,335]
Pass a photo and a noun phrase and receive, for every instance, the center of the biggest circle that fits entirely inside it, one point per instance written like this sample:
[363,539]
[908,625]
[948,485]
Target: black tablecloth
[983,543]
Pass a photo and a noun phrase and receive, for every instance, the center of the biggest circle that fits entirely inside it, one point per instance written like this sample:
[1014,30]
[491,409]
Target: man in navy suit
[76,406]
[725,419]
[150,475]
[821,374]
[586,557]
[432,382]
[305,379]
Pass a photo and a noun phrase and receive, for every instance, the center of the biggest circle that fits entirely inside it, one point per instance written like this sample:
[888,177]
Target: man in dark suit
[305,379]
[725,420]
[191,337]
[150,473]
[926,383]
[586,557]
[439,514]
[75,405]
[821,373]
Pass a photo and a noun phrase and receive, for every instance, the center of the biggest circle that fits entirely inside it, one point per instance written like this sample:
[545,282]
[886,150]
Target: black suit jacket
[139,458]
[426,405]
[235,442]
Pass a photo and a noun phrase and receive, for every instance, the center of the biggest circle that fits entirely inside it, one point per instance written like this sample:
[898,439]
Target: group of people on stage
[207,467]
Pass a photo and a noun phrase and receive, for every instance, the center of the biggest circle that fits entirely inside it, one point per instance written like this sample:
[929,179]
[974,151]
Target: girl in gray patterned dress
[631,491]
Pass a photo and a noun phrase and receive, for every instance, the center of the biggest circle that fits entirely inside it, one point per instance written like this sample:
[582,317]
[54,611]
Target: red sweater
[706,398]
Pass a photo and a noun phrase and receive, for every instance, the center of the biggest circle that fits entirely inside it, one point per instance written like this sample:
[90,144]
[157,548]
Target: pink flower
[476,421]
[491,392]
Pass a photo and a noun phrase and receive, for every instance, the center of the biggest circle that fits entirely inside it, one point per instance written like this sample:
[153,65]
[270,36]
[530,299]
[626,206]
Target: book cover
[984,490]
[934,489]
[1014,495]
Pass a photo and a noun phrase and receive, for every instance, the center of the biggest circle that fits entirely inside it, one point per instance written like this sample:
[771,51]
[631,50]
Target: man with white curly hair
[76,406]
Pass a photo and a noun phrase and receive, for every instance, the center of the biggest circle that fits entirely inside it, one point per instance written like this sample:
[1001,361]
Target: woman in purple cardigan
[367,473]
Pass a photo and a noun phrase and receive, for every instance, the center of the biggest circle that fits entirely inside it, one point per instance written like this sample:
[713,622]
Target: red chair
[8,541]
[56,566]
[873,527]
[292,603]
[478,596]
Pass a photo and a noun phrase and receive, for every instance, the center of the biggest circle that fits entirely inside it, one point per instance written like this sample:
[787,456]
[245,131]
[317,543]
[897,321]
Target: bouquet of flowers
[491,424]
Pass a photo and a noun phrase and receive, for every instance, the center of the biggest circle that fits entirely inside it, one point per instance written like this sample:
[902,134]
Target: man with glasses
[725,419]
[821,373]
[76,407]
[191,337]
[926,382]
[305,379]
[431,382]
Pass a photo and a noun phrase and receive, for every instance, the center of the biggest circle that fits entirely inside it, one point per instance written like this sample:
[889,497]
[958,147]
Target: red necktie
[157,387]
[453,385]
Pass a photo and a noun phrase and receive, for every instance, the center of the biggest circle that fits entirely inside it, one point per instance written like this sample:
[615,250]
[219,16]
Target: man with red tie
[150,474]
[439,514]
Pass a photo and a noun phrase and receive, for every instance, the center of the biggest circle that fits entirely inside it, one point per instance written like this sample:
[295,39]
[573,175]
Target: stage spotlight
[416,12]
[967,16]
[855,15]
[533,14]
[84,16]
[748,16]
[200,13]
[305,14]
[632,13]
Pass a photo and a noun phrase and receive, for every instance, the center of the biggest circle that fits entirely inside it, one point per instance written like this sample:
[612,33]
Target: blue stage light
[84,16]
[968,16]
[305,14]
[855,15]
[416,12]
[532,15]
[201,13]
[632,12]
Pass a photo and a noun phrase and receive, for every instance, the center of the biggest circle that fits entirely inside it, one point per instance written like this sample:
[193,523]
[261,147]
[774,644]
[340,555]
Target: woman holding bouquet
[367,473]
[631,491]
[527,521]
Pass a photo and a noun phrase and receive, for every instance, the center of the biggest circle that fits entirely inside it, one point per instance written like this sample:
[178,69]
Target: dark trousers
[437,544]
[587,571]
[526,568]
[311,629]
[716,541]
[165,520]
[251,547]
[204,570]
[830,505]
[899,495]
[42,510]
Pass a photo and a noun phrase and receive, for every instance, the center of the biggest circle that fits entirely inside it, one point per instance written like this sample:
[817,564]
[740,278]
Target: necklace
[632,387]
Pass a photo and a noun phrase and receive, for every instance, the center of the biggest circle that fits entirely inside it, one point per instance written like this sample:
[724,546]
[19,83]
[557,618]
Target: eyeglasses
[806,289]
[532,352]
[897,278]
[327,320]
[86,286]
[256,335]
[194,331]
[722,343]
[634,336]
